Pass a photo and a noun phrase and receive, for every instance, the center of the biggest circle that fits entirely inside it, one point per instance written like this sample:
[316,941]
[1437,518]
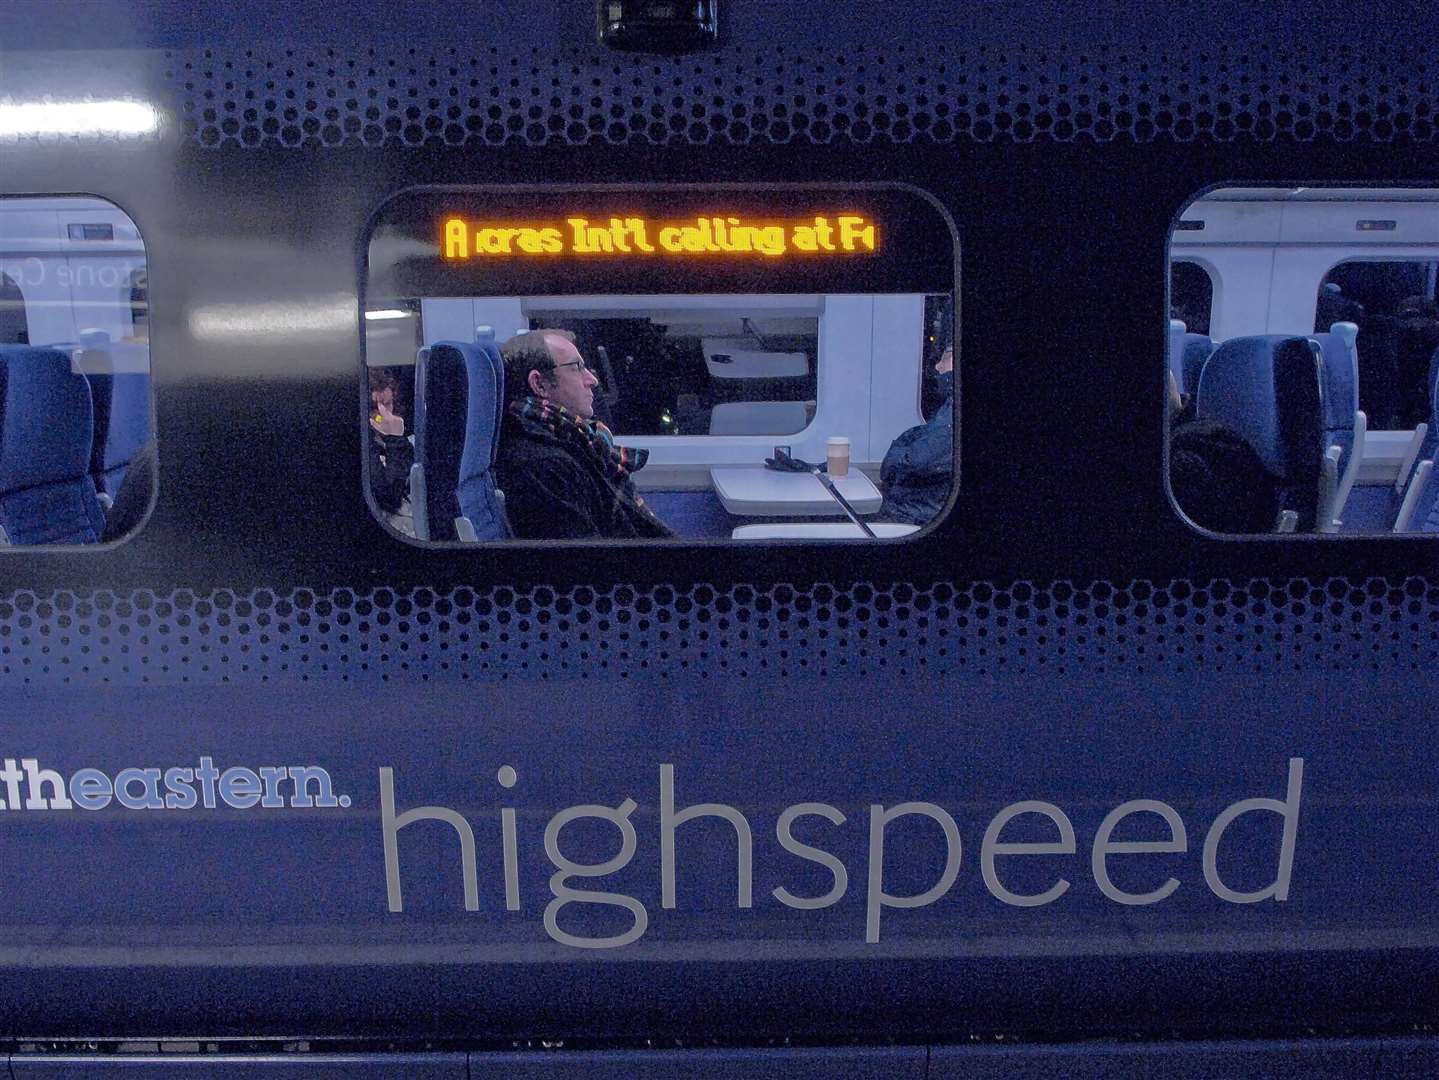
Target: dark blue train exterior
[852,720]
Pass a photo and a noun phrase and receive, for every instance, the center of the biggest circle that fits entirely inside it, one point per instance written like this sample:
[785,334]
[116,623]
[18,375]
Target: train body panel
[1058,767]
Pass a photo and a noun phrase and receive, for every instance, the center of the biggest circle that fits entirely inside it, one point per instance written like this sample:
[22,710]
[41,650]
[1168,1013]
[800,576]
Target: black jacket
[918,470]
[554,493]
[390,459]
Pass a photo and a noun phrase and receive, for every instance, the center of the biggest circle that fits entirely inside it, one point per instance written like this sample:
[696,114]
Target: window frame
[742,449]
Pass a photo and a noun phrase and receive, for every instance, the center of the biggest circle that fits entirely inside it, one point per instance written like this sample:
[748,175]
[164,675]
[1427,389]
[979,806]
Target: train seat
[1344,423]
[122,425]
[1268,389]
[481,502]
[1187,355]
[1418,488]
[46,434]
[1176,348]
[1197,349]
[459,402]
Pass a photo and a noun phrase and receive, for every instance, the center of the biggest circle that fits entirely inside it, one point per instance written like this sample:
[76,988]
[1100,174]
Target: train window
[1307,403]
[14,329]
[139,305]
[76,430]
[1393,305]
[662,363]
[1191,296]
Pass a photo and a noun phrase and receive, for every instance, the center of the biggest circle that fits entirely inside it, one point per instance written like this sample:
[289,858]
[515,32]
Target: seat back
[1341,380]
[459,404]
[441,396]
[1269,389]
[1195,351]
[46,434]
[1418,509]
[1176,349]
[1345,426]
[479,500]
[1187,354]
[122,425]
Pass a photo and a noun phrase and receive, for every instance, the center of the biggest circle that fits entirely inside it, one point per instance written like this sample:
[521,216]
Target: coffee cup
[836,452]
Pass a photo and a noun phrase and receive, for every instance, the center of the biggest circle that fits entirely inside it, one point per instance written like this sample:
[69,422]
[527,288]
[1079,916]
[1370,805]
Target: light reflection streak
[269,319]
[75,118]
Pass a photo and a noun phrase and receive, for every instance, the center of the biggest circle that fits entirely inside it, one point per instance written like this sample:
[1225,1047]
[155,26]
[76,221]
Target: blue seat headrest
[1341,375]
[460,406]
[46,432]
[441,397]
[486,406]
[46,419]
[1269,389]
[476,493]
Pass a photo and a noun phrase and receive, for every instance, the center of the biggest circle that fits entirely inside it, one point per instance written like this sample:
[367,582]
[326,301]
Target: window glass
[14,329]
[1191,296]
[76,431]
[1393,303]
[661,376]
[630,363]
[140,305]
[1304,400]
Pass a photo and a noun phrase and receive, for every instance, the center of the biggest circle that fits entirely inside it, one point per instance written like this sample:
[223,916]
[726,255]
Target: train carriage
[1070,777]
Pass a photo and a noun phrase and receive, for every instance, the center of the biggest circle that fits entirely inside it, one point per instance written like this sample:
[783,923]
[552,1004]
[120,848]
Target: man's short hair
[383,379]
[525,353]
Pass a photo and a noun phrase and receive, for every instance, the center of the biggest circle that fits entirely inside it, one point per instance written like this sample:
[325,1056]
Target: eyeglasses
[579,364]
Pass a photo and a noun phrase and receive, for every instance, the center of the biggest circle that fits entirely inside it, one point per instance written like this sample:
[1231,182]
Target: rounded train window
[659,364]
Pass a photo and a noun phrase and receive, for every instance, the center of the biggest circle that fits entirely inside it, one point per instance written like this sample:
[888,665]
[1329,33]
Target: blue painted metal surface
[1060,638]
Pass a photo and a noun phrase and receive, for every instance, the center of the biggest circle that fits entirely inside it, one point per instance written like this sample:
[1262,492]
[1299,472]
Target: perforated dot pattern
[705,632]
[867,94]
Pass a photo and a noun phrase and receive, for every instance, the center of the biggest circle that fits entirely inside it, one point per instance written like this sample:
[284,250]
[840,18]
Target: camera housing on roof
[659,26]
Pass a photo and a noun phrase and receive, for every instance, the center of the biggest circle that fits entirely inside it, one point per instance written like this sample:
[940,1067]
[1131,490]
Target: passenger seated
[562,473]
[391,453]
[1219,481]
[1333,306]
[1420,317]
[917,470]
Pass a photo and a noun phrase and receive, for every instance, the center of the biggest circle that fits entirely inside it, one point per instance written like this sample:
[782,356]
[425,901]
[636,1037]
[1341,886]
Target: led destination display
[861,239]
[717,234]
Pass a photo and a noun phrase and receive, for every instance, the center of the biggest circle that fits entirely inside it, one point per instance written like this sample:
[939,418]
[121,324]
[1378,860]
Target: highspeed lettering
[891,829]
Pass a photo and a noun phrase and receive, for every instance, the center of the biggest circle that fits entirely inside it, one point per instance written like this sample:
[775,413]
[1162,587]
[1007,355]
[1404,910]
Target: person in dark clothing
[1219,481]
[391,453]
[1333,306]
[918,468]
[561,471]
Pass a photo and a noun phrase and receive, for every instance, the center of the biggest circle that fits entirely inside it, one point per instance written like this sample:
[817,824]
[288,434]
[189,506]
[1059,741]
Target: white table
[760,492]
[748,362]
[821,530]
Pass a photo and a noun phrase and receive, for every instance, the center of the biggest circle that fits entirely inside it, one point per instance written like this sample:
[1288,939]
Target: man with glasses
[563,475]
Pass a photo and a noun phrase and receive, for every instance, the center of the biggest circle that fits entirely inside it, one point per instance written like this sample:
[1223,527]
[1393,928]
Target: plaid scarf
[592,440]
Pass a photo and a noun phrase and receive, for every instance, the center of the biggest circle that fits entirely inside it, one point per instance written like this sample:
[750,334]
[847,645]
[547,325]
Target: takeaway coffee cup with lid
[836,452]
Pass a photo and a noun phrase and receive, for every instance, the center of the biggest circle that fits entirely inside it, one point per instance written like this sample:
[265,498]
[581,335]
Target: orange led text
[720,234]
